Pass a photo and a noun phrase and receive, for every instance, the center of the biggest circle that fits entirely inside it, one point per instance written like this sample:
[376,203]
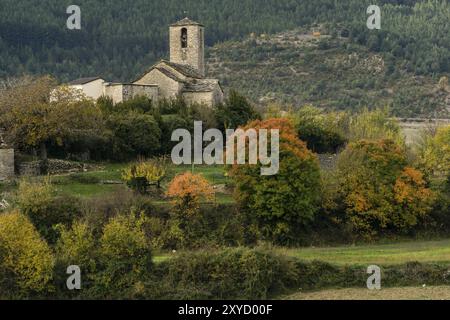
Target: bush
[317,275]
[227,274]
[377,190]
[26,261]
[45,211]
[213,226]
[116,263]
[76,246]
[146,173]
[124,258]
[321,132]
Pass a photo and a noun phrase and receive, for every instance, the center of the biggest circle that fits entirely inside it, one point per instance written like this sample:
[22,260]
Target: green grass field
[382,254]
[395,253]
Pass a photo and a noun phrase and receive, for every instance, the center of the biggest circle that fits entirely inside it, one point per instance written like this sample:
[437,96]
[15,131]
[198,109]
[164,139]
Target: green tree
[323,133]
[282,204]
[134,134]
[236,111]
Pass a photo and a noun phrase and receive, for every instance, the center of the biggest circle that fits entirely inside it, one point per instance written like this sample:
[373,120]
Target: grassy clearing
[82,190]
[385,254]
[381,254]
[66,185]
[407,293]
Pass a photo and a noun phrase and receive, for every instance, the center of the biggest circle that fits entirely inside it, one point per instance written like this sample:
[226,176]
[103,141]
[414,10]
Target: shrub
[45,211]
[124,258]
[145,173]
[321,132]
[76,246]
[226,274]
[33,197]
[97,211]
[213,226]
[26,261]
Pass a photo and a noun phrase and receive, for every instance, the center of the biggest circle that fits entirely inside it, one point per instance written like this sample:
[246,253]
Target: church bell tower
[187,44]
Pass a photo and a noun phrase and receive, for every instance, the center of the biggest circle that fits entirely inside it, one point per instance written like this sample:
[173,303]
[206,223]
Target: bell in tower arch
[184,38]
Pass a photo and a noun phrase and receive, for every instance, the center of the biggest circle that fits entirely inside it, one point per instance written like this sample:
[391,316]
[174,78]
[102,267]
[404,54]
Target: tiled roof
[202,85]
[193,81]
[185,70]
[83,81]
[186,22]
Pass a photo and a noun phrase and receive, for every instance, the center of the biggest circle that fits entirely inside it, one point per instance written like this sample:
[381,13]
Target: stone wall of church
[134,90]
[206,98]
[124,92]
[6,164]
[168,88]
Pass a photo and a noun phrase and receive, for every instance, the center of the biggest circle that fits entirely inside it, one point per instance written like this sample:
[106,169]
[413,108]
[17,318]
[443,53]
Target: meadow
[105,179]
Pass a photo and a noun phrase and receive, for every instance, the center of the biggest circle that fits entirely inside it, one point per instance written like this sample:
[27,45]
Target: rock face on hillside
[298,68]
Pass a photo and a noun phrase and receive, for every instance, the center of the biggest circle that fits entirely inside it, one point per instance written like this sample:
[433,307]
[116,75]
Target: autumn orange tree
[377,190]
[187,190]
[280,205]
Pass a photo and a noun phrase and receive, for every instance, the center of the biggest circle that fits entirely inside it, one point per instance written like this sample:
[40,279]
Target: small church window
[184,38]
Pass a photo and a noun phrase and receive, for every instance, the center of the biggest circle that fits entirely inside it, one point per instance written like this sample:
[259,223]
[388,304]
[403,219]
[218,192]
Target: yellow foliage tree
[26,261]
[145,173]
[434,154]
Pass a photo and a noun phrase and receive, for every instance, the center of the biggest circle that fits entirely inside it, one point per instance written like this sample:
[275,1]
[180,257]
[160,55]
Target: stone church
[183,75]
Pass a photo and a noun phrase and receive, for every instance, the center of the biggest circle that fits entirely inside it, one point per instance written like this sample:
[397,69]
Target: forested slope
[120,38]
[294,68]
